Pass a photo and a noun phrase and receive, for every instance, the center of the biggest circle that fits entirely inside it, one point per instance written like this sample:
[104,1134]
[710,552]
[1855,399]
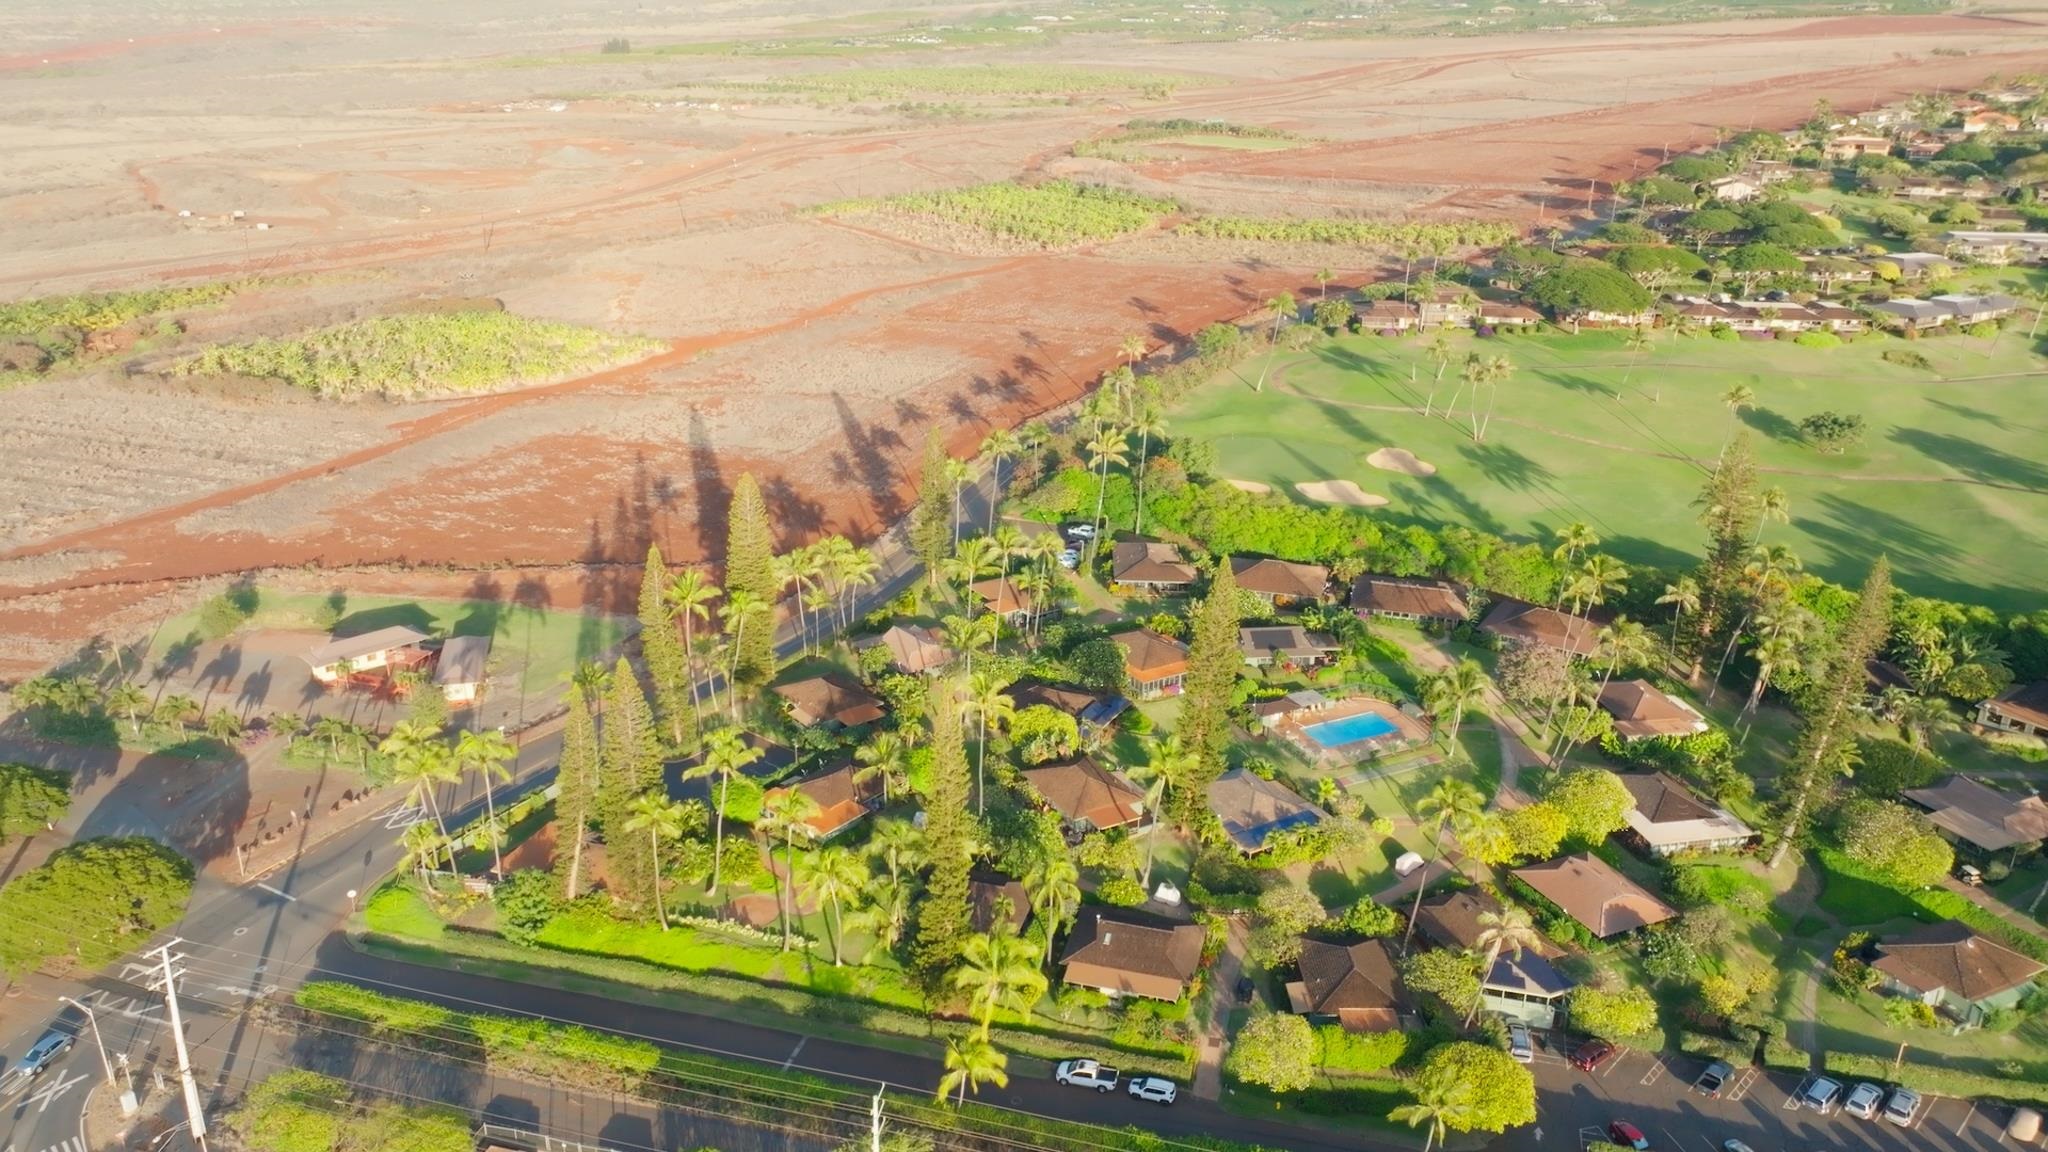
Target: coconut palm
[886,757]
[972,1061]
[420,759]
[784,811]
[1498,369]
[1684,596]
[799,570]
[1055,887]
[958,473]
[1922,718]
[1452,802]
[852,569]
[899,844]
[1572,540]
[998,971]
[662,819]
[985,699]
[1439,351]
[1170,763]
[129,701]
[1765,580]
[421,846]
[1283,309]
[973,559]
[488,754]
[726,754]
[1771,504]
[1110,446]
[1131,347]
[223,725]
[1436,1106]
[595,679]
[1001,446]
[1037,585]
[741,610]
[1637,342]
[1452,690]
[1147,421]
[1623,644]
[689,596]
[1509,930]
[1735,399]
[834,877]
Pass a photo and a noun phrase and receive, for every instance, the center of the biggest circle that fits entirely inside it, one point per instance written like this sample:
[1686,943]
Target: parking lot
[1758,1108]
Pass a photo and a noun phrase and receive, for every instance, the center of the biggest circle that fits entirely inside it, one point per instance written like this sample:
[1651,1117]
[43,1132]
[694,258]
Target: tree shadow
[167,798]
[870,466]
[1573,382]
[795,515]
[714,495]
[389,616]
[1508,467]
[1978,461]
[626,1130]
[1768,423]
[255,690]
[485,611]
[182,653]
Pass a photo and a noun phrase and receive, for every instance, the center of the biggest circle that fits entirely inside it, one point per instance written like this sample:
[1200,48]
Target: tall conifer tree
[1822,751]
[662,649]
[576,800]
[1729,507]
[944,913]
[750,567]
[1213,662]
[632,767]
[931,524]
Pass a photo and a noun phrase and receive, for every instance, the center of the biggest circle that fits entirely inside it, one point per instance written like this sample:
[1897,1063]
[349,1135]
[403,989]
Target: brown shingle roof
[1663,800]
[1428,599]
[1640,709]
[1081,789]
[1337,978]
[912,648]
[1990,819]
[1451,920]
[1949,955]
[833,697]
[1535,624]
[1058,697]
[341,648]
[462,660]
[1150,656]
[1252,808]
[1280,577]
[1593,893]
[1002,597]
[1387,310]
[1149,562]
[985,890]
[840,800]
[1132,952]
[2027,703]
[1285,641]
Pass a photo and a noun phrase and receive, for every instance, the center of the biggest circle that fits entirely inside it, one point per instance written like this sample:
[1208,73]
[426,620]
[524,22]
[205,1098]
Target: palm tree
[883,920]
[1439,351]
[975,558]
[852,570]
[1037,585]
[418,757]
[1453,690]
[834,876]
[1735,399]
[331,730]
[1131,347]
[1147,422]
[662,819]
[131,702]
[972,1061]
[998,971]
[1573,539]
[1002,444]
[595,679]
[1509,930]
[223,725]
[1323,278]
[799,570]
[1498,368]
[689,596]
[1110,446]
[986,700]
[1437,1107]
[884,756]
[1771,504]
[1624,643]
[1055,886]
[900,846]
[725,756]
[1283,308]
[958,473]
[1921,718]
[421,846]
[1470,375]
[487,753]
[1773,654]
[785,811]
[1683,596]
[1637,343]
[741,606]
[1170,763]
[1451,802]
[1766,579]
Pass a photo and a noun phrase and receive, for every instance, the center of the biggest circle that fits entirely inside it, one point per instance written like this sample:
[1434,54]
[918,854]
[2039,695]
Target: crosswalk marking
[48,1093]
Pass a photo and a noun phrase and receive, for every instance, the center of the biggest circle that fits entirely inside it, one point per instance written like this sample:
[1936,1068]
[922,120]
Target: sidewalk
[1987,900]
[1517,743]
[1222,998]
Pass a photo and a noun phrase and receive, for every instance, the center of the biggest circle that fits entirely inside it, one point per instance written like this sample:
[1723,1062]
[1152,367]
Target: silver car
[1153,1089]
[1863,1101]
[43,1053]
[1902,1107]
[1820,1094]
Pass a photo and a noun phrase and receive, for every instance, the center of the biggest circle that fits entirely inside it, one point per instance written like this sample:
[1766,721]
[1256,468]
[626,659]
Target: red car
[1628,1136]
[1592,1054]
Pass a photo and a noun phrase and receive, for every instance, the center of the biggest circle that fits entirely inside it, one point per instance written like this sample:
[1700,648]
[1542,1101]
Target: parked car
[1902,1107]
[44,1052]
[1080,531]
[1819,1094]
[1592,1054]
[1154,1089]
[1085,1074]
[1863,1101]
[1245,988]
[1069,559]
[1714,1079]
[1628,1136]
[1519,1044]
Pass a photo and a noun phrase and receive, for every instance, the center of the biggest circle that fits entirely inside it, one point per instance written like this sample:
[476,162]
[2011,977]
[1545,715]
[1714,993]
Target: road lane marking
[277,892]
[800,1042]
[53,1090]
[1967,1116]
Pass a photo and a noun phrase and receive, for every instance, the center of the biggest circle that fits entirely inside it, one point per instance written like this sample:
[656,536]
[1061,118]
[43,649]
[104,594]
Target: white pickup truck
[1086,1074]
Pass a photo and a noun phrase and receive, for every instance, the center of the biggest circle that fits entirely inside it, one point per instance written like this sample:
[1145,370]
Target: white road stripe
[277,892]
[800,1042]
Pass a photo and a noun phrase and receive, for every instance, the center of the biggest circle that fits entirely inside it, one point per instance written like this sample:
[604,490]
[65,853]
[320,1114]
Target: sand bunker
[1340,492]
[1400,460]
[1252,486]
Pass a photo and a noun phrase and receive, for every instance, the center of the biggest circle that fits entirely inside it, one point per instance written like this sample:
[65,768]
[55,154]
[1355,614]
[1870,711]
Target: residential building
[1284,644]
[1919,265]
[2021,708]
[1989,121]
[1092,711]
[1527,987]
[1386,316]
[913,649]
[461,668]
[1357,986]
[1281,582]
[1088,797]
[1155,664]
[1949,966]
[841,800]
[1669,818]
[1998,247]
[1590,891]
[1406,598]
[1978,817]
[1642,711]
[1948,308]
[1252,808]
[834,700]
[1002,597]
[1735,189]
[1153,565]
[1447,306]
[990,892]
[1126,953]
[1501,314]
[1849,146]
[395,648]
[1512,619]
[1272,712]
[774,761]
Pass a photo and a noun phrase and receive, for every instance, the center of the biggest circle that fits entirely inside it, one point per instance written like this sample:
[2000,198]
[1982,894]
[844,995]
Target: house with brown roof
[833,700]
[2022,708]
[841,800]
[1849,146]
[1153,565]
[1447,306]
[1403,598]
[1590,891]
[397,647]
[1284,644]
[1125,953]
[1949,966]
[1088,796]
[460,669]
[1155,664]
[991,892]
[1528,987]
[1355,985]
[1387,316]
[1090,710]
[1298,702]
[1280,582]
[1252,809]
[1670,818]
[1528,623]
[1642,711]
[1969,813]
[912,649]
[1001,596]
[1499,314]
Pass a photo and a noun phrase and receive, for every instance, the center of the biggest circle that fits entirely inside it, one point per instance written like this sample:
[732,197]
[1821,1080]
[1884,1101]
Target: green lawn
[1946,481]
[1860,1025]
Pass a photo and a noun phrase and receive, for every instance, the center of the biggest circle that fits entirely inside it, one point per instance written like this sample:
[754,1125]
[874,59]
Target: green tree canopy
[1593,802]
[1276,1051]
[31,798]
[1620,1014]
[92,901]
[1893,841]
[1498,1092]
[1759,258]
[1588,286]
[1643,261]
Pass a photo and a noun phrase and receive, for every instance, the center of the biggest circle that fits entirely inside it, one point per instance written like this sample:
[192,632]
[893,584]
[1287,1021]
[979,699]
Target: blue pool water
[1350,729]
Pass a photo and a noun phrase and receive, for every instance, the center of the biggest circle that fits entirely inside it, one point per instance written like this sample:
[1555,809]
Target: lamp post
[351,901]
[92,1019]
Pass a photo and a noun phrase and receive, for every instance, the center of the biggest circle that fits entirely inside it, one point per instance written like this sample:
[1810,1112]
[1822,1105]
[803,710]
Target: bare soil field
[401,157]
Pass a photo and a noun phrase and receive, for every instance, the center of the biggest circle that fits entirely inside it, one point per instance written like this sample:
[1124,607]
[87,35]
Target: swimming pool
[1351,729]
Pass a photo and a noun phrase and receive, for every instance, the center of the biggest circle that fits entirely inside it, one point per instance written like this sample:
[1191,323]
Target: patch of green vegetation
[399,909]
[1053,214]
[61,329]
[975,80]
[1346,230]
[1127,143]
[425,354]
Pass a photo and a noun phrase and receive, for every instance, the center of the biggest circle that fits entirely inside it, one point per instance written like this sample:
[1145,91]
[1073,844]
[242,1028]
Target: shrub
[1908,358]
[526,901]
[1052,214]
[1817,340]
[1122,891]
[1339,1051]
[1832,432]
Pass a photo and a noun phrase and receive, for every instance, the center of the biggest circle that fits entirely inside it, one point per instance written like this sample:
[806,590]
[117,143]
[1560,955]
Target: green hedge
[2029,1088]
[1784,1056]
[381,1012]
[1716,1048]
[1358,1053]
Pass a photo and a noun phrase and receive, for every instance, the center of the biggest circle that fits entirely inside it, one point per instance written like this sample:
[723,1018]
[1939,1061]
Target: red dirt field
[813,353]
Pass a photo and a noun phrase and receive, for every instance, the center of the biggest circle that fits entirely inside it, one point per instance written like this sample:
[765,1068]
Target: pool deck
[1407,731]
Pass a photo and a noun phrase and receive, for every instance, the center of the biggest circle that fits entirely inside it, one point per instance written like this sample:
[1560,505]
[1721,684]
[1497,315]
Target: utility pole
[875,1122]
[195,1113]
